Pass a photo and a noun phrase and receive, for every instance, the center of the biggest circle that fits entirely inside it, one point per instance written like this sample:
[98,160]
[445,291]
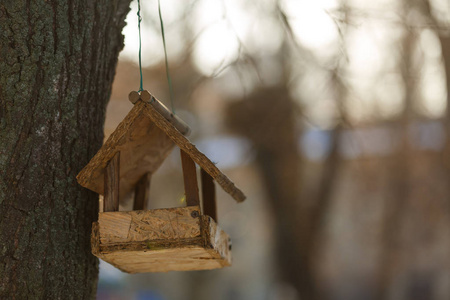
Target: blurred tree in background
[332,116]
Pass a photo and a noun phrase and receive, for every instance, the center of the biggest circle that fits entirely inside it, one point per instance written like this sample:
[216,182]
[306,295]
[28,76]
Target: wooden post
[133,96]
[112,174]
[209,195]
[190,179]
[145,96]
[142,193]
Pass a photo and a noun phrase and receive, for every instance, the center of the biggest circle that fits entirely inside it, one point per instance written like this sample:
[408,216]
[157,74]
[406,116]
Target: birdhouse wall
[161,240]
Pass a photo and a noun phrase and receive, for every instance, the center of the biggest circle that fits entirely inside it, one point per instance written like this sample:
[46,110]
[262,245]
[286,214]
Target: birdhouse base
[160,240]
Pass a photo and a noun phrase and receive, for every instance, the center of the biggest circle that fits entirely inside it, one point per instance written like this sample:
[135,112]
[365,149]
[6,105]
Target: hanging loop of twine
[169,79]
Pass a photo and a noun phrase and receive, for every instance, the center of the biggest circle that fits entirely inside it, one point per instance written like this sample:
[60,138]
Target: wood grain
[198,157]
[163,260]
[112,173]
[145,138]
[142,192]
[155,224]
[145,95]
[190,180]
[209,195]
[143,148]
[216,240]
[208,248]
[173,119]
[133,96]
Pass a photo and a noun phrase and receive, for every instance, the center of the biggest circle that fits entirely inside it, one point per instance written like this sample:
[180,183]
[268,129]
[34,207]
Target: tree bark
[57,65]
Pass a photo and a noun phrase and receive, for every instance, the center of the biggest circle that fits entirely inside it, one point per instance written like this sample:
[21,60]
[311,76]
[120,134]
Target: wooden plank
[179,124]
[143,148]
[186,258]
[149,225]
[209,195]
[142,192]
[190,179]
[216,240]
[145,139]
[133,96]
[112,172]
[198,157]
[209,250]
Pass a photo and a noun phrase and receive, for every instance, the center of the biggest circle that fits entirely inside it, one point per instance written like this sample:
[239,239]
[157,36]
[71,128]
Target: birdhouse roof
[145,138]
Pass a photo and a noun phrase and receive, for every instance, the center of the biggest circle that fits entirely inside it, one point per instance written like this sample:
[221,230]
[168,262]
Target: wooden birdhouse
[157,240]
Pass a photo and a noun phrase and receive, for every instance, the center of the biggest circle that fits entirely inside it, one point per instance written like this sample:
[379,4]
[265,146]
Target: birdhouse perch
[158,240]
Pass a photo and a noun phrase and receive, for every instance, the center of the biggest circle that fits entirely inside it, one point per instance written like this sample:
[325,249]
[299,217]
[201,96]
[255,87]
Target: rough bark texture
[57,65]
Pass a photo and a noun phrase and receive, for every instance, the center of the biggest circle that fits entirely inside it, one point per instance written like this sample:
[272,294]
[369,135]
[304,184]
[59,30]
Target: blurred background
[332,116]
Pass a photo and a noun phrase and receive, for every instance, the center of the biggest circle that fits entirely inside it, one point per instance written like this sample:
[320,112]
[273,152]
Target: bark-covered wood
[57,65]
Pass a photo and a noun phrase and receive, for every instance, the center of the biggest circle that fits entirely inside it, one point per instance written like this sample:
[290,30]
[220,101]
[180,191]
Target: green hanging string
[169,80]
[141,88]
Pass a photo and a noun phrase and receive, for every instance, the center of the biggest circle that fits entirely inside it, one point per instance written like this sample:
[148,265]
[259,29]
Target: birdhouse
[156,240]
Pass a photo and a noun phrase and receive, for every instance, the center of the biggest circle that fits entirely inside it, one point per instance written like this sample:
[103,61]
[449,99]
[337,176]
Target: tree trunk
[267,119]
[400,182]
[57,65]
